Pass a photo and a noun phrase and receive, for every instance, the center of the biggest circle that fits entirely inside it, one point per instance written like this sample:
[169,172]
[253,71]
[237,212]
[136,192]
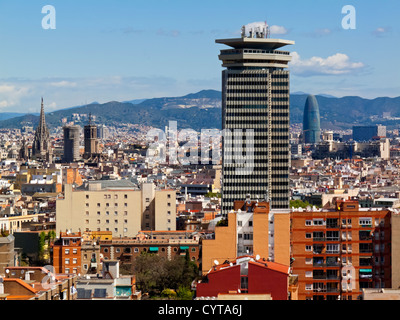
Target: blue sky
[123,50]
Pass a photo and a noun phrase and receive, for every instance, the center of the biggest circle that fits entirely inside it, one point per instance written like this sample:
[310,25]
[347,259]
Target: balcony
[332,226]
[325,277]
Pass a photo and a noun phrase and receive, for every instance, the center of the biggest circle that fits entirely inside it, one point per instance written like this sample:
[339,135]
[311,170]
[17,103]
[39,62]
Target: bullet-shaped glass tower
[255,97]
[311,121]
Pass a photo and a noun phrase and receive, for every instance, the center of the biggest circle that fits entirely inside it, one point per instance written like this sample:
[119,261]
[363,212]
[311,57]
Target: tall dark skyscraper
[41,148]
[255,96]
[90,138]
[71,143]
[311,121]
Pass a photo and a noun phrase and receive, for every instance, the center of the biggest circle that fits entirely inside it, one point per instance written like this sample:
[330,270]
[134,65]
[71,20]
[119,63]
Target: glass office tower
[255,119]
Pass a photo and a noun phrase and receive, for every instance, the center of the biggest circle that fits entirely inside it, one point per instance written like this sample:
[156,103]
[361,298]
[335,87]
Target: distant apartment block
[116,206]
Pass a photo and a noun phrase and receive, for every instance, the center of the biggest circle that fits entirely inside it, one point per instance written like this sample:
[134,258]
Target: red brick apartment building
[67,253]
[336,253]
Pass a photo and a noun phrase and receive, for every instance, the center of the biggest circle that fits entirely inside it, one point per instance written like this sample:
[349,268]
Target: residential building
[338,252]
[116,206]
[37,283]
[245,277]
[8,257]
[67,257]
[127,249]
[108,285]
[251,228]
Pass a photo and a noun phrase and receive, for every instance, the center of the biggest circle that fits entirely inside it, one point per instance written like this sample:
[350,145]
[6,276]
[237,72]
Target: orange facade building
[336,253]
[67,257]
[252,229]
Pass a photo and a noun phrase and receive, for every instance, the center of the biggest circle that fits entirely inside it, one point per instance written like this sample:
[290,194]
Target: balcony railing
[325,277]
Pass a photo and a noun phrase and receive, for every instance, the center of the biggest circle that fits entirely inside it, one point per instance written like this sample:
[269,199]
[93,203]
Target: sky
[121,50]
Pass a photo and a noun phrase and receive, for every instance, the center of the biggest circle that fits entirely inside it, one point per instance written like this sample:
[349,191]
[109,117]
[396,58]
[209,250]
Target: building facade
[368,133]
[252,228]
[352,149]
[8,256]
[311,121]
[90,139]
[255,119]
[127,249]
[67,257]
[244,277]
[117,207]
[337,253]
[71,143]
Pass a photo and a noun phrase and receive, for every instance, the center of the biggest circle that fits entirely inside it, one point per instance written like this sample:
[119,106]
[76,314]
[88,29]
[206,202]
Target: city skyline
[104,51]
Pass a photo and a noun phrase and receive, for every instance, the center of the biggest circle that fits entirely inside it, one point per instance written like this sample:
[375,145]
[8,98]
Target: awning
[153,249]
[184,248]
[365,270]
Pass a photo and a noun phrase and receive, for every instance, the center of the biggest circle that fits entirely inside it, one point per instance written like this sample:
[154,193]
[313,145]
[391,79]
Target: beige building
[7,253]
[116,206]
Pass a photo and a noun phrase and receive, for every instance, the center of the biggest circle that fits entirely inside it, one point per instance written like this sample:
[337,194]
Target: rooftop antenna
[243,31]
[267,31]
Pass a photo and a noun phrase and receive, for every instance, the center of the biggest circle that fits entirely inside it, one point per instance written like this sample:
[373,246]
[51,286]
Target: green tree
[42,242]
[155,274]
[299,204]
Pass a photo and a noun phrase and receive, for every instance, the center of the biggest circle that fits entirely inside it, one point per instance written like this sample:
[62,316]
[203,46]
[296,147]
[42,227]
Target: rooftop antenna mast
[267,31]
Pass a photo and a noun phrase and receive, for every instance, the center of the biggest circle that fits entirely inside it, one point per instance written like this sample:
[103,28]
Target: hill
[202,110]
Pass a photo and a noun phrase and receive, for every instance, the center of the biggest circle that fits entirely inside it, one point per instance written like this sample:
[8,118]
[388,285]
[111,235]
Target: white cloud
[278,30]
[337,64]
[381,31]
[63,84]
[24,95]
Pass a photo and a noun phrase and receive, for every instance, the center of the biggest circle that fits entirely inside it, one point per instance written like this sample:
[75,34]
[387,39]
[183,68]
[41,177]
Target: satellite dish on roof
[216,262]
[258,257]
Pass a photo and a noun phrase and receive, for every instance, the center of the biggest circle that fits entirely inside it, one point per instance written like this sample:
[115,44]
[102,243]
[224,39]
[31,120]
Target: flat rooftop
[255,43]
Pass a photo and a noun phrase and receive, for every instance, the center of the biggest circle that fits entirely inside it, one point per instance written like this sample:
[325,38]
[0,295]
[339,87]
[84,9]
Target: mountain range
[202,110]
